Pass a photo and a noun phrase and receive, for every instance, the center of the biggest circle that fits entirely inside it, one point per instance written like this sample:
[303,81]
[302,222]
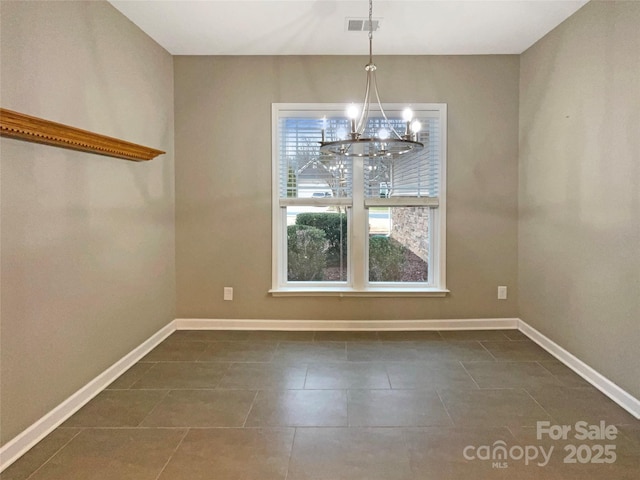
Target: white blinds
[417,174]
[304,173]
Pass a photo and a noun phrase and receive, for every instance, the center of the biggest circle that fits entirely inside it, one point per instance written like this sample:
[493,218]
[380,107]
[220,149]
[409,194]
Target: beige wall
[579,196]
[223,179]
[87,241]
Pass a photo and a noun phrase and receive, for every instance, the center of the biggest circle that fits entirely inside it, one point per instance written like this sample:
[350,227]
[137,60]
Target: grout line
[253,402]
[144,374]
[489,351]
[473,379]
[80,430]
[293,441]
[388,376]
[538,403]
[562,384]
[444,405]
[506,337]
[153,408]
[306,375]
[173,453]
[226,370]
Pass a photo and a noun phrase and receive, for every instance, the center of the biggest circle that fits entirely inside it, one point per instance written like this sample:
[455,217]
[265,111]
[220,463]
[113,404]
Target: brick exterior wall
[409,226]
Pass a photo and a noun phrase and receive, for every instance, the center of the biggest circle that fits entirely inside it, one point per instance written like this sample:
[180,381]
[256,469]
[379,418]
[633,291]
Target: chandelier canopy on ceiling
[387,142]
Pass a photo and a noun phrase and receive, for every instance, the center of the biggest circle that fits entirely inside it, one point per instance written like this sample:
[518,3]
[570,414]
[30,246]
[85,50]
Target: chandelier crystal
[387,142]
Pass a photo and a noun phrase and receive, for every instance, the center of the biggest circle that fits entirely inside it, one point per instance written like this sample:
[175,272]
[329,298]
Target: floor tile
[492,407]
[39,454]
[381,352]
[116,408]
[307,352]
[510,374]
[180,336]
[333,336]
[109,454]
[347,375]
[622,469]
[623,445]
[182,375]
[131,376]
[218,335]
[517,351]
[176,351]
[280,336]
[516,335]
[428,375]
[409,336]
[231,454]
[299,408]
[588,464]
[631,432]
[288,405]
[238,352]
[570,405]
[460,351]
[564,374]
[457,453]
[473,335]
[349,454]
[396,408]
[263,375]
[201,408]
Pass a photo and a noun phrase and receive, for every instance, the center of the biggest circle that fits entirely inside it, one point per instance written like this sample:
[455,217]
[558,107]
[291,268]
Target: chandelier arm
[384,115]
[364,114]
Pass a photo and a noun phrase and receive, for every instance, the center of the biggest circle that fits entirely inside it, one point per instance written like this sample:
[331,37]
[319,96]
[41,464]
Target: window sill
[349,292]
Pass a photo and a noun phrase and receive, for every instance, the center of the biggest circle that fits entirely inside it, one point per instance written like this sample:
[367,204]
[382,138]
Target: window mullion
[359,227]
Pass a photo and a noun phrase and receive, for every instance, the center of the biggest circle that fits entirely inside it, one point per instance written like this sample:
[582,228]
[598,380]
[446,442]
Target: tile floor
[334,406]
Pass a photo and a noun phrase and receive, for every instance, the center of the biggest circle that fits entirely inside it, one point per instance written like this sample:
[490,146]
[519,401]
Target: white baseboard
[345,325]
[20,444]
[602,383]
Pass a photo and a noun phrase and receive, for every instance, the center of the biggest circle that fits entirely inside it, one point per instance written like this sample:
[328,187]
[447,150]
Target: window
[357,226]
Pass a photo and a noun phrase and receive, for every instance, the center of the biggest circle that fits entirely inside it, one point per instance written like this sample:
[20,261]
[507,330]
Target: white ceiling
[317,27]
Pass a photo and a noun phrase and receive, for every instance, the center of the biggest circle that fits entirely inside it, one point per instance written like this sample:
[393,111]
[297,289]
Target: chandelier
[387,142]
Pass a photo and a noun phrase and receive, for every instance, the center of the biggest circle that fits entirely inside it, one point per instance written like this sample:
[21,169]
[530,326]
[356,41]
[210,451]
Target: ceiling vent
[362,24]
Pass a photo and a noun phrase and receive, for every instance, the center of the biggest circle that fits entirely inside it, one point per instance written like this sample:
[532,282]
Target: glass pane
[398,244]
[415,174]
[304,172]
[377,177]
[317,244]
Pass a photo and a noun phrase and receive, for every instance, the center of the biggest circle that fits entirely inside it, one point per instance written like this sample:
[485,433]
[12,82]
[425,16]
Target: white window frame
[358,218]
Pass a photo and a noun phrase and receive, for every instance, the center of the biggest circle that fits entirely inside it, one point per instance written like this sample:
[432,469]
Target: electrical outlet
[228,293]
[502,293]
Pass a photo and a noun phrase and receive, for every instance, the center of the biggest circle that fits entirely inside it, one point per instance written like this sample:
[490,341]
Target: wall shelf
[33,129]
